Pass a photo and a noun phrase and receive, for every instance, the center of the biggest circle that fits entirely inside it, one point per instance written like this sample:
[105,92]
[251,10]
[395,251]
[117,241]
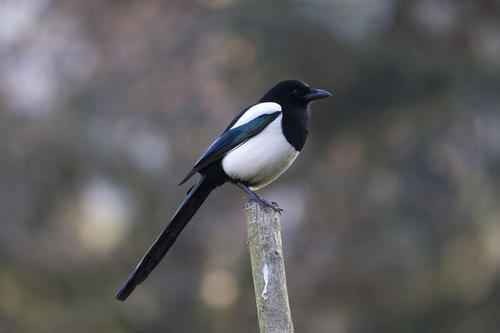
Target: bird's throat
[296,127]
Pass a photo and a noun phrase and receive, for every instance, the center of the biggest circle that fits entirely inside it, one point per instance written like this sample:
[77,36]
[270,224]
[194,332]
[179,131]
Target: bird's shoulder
[252,112]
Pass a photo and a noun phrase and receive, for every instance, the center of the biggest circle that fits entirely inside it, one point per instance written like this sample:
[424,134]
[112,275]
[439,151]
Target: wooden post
[268,269]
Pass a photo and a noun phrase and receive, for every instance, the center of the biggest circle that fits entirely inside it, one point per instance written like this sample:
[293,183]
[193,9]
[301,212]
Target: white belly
[262,159]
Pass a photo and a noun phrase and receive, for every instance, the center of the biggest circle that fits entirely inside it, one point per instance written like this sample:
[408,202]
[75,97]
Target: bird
[257,146]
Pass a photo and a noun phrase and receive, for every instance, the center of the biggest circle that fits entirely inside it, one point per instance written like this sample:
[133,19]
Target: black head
[293,92]
[294,97]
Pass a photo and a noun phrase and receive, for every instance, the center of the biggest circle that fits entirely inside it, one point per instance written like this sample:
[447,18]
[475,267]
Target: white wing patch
[257,110]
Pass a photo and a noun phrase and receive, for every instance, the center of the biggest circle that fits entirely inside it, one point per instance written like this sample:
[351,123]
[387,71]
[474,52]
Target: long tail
[155,254]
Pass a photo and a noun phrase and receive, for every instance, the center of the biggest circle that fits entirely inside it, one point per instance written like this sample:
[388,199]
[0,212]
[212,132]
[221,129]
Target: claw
[274,206]
[267,204]
[263,203]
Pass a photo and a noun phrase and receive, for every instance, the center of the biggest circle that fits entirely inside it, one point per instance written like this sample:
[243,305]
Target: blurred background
[392,211]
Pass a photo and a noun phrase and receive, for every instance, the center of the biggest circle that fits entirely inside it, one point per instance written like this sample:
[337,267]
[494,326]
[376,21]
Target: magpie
[259,144]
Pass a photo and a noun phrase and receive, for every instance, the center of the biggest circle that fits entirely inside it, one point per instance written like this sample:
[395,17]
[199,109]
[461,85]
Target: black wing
[230,140]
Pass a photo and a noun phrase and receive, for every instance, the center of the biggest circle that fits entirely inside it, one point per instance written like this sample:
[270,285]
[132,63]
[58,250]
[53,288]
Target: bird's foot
[274,206]
[267,204]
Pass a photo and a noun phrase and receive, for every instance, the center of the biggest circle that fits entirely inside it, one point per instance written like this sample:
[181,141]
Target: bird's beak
[315,94]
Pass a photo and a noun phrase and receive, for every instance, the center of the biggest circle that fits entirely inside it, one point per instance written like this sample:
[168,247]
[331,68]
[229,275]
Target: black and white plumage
[255,149]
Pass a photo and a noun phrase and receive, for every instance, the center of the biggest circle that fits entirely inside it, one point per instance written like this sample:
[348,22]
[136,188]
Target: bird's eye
[295,92]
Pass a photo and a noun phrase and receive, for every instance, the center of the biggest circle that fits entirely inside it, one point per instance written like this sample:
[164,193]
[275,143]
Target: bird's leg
[263,203]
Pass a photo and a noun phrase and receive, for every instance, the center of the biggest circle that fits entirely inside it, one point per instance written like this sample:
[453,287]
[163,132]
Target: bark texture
[268,269]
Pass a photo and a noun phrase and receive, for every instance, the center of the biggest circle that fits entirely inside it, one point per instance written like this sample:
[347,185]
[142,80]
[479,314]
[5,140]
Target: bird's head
[293,92]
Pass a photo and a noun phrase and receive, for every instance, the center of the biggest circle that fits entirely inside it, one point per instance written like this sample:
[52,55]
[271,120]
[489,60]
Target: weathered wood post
[268,269]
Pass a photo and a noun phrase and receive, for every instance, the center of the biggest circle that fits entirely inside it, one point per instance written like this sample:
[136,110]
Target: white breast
[262,158]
